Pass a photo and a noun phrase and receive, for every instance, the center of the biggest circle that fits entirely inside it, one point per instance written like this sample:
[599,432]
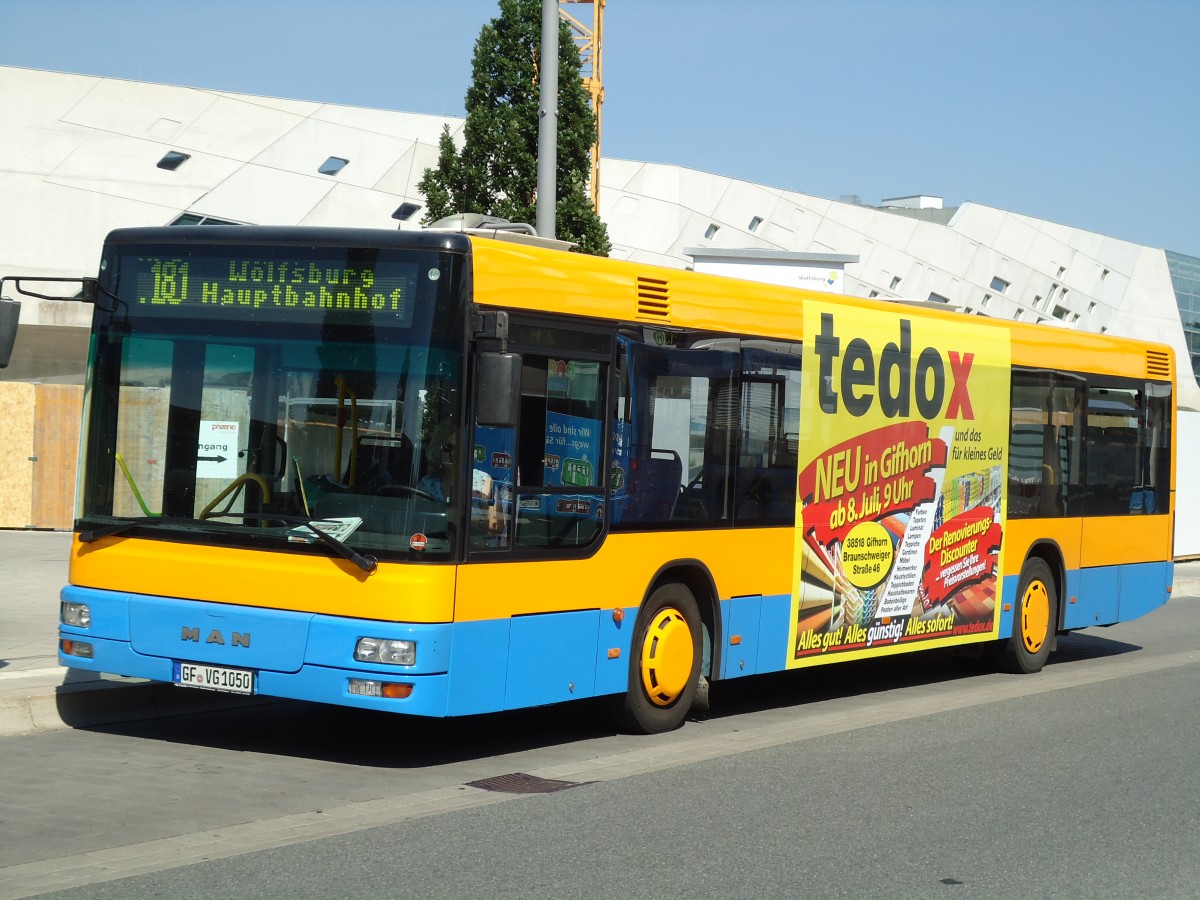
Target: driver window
[540,485]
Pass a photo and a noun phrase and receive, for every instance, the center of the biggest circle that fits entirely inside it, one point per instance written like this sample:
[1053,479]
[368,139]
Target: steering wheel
[406,490]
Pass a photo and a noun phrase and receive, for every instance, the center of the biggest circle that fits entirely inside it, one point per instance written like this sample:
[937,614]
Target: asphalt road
[911,777]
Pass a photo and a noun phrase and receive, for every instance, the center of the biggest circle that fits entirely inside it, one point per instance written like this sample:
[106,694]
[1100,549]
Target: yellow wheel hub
[1035,616]
[667,654]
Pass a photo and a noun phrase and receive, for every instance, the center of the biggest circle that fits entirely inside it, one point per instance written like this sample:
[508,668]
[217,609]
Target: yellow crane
[590,43]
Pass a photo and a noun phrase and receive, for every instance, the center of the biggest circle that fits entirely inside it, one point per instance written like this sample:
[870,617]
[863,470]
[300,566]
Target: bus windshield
[244,394]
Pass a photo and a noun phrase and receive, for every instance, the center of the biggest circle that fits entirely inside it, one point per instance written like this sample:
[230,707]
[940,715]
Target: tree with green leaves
[495,172]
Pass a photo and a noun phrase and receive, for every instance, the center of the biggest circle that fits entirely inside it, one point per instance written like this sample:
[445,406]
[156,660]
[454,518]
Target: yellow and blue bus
[442,474]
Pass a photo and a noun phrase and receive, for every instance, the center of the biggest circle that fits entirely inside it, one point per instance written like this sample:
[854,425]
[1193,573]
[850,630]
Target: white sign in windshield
[216,456]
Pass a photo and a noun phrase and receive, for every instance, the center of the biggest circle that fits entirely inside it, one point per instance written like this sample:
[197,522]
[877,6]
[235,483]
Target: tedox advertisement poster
[900,502]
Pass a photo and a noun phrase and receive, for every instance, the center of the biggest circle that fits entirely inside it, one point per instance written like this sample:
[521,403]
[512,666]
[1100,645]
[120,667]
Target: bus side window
[1128,437]
[1045,465]
[1156,447]
[674,438]
[1111,447]
[547,475]
[765,491]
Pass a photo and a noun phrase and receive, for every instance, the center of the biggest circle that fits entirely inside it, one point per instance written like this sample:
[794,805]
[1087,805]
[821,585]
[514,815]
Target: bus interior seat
[652,487]
[766,494]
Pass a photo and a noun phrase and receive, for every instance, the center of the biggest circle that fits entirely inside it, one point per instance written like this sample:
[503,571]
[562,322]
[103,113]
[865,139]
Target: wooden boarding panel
[18,401]
[56,449]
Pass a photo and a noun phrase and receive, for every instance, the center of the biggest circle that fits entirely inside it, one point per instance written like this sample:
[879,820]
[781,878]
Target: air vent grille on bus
[1158,364]
[653,299]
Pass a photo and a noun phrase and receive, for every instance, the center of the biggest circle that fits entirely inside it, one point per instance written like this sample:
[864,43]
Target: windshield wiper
[367,563]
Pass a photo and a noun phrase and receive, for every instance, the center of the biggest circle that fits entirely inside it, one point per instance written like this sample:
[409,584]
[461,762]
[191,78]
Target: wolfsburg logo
[215,637]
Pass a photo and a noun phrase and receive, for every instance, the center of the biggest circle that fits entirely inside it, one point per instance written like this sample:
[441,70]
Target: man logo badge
[239,639]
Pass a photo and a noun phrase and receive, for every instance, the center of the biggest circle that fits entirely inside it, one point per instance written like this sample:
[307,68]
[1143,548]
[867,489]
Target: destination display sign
[269,286]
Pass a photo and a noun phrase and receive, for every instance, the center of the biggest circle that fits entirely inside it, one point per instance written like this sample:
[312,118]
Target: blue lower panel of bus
[1102,595]
[497,664]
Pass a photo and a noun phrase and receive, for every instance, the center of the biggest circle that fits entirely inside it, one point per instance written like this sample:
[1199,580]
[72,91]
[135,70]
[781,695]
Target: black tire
[1035,620]
[662,679]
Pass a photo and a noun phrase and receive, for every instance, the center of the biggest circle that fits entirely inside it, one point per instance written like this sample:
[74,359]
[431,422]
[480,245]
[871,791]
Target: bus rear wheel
[1034,620]
[664,666]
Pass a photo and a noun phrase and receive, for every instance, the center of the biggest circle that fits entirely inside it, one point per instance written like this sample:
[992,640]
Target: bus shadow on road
[816,684]
[355,737]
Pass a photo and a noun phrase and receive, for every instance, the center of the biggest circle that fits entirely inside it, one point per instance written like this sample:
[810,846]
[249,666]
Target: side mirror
[498,389]
[10,313]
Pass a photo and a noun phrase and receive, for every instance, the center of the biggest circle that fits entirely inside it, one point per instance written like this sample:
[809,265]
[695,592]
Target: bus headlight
[388,652]
[76,614]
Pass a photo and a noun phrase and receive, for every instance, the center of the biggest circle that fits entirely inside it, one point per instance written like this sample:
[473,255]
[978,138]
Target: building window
[755,222]
[1061,312]
[712,229]
[999,285]
[938,298]
[1103,274]
[173,159]
[895,282]
[406,211]
[872,295]
[987,300]
[333,165]
[197,219]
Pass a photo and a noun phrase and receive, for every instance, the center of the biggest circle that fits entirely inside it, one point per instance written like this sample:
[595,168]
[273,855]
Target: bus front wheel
[664,667]
[1034,620]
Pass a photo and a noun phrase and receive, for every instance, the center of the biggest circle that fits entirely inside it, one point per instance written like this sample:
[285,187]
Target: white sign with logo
[217,454]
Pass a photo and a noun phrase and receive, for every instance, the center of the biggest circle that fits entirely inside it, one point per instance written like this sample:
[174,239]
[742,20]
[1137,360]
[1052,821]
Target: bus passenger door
[1046,479]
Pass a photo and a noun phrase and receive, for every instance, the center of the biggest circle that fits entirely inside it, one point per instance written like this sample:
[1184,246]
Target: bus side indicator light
[392,690]
[734,640]
[81,649]
[614,652]
[1008,607]
[618,615]
[1072,600]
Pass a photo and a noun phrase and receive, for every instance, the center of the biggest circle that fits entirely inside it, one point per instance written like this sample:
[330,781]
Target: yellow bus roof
[552,281]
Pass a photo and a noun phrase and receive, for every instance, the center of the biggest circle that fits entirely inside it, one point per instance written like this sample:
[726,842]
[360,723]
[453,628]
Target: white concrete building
[82,155]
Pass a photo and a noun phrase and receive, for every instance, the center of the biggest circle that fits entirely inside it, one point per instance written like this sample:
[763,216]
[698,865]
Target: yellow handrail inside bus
[235,487]
[300,486]
[137,495]
[343,391]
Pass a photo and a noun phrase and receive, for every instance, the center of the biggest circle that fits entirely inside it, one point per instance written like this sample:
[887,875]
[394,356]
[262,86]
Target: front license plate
[214,678]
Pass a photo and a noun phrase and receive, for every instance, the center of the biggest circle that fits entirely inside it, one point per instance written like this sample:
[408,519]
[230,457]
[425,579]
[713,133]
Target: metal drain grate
[520,783]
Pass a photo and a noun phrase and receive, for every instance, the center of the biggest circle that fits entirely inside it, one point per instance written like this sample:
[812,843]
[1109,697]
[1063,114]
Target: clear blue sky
[1084,112]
